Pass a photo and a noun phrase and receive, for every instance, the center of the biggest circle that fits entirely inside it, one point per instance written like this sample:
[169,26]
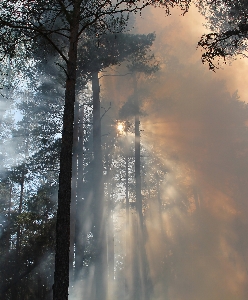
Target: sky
[196,122]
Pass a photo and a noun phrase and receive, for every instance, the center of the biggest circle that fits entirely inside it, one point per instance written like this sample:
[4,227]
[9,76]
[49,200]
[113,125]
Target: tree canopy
[229,22]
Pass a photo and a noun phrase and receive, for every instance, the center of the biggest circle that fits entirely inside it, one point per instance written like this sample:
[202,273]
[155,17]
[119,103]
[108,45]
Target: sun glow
[120,127]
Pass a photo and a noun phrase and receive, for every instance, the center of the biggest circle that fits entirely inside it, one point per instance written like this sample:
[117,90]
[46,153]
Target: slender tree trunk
[137,155]
[81,213]
[142,283]
[99,219]
[137,170]
[126,192]
[128,243]
[74,189]
[159,202]
[19,212]
[8,224]
[197,198]
[110,224]
[14,293]
[138,225]
[61,274]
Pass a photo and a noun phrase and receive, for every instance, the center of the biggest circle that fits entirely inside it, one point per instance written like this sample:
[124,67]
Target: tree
[94,56]
[58,25]
[145,63]
[30,177]
[229,21]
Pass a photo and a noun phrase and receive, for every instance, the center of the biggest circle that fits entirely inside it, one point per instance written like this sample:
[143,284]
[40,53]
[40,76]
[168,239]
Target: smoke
[196,122]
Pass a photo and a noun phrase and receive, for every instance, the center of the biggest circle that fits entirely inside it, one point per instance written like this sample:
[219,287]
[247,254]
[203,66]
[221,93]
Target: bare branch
[129,73]
[105,110]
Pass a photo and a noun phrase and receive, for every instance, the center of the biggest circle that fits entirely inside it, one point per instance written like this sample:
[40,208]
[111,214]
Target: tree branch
[115,75]
[38,30]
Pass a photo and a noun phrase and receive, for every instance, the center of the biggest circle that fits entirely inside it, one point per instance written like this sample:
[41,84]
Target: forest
[124,150]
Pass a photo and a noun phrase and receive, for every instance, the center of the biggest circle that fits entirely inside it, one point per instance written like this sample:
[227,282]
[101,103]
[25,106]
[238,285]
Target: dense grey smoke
[197,124]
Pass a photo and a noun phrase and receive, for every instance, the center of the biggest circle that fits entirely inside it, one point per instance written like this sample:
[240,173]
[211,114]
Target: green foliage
[228,19]
[35,257]
[34,141]
[32,24]
[95,54]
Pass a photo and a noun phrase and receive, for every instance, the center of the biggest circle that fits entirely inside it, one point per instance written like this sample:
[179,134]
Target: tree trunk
[110,223]
[7,234]
[197,199]
[137,155]
[81,213]
[142,282]
[126,192]
[99,217]
[137,171]
[61,274]
[14,293]
[74,189]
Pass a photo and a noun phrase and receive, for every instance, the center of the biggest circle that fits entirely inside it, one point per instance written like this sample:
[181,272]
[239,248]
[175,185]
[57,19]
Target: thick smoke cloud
[197,123]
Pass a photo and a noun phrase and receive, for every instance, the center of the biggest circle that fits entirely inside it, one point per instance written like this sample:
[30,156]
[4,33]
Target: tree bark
[14,292]
[99,216]
[137,170]
[110,223]
[142,282]
[126,192]
[137,155]
[81,213]
[9,220]
[74,189]
[61,274]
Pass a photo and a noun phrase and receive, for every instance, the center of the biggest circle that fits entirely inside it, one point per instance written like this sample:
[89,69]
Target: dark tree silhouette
[229,22]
